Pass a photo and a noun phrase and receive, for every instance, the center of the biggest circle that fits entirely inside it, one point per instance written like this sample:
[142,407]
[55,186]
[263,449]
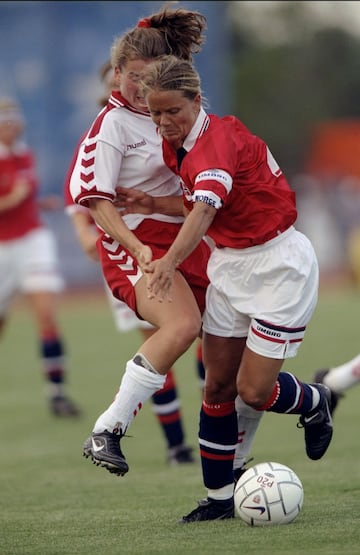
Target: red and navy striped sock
[217,439]
[166,406]
[290,395]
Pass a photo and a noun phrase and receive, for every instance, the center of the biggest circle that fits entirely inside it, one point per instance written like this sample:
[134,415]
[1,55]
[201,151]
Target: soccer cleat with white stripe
[104,450]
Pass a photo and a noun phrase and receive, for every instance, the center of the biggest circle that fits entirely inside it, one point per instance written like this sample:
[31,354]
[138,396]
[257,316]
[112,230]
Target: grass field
[53,501]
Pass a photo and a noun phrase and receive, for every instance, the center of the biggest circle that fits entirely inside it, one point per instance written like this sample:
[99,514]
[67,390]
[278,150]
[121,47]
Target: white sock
[137,386]
[222,493]
[344,376]
[248,422]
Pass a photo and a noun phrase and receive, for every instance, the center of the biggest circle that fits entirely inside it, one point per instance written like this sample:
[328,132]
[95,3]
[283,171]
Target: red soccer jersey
[233,170]
[18,164]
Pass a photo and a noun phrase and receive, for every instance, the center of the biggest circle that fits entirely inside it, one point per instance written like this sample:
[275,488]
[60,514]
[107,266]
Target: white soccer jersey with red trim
[123,148]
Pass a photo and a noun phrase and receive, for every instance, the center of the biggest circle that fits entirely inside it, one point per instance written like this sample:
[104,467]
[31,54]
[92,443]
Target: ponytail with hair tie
[145,22]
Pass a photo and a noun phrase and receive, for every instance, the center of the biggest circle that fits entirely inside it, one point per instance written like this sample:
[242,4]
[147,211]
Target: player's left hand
[160,278]
[133,201]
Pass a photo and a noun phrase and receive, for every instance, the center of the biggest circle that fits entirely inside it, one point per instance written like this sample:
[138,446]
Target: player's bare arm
[86,234]
[18,193]
[108,218]
[191,233]
[135,201]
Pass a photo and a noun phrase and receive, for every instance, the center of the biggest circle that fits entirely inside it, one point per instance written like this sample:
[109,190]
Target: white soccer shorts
[266,293]
[28,265]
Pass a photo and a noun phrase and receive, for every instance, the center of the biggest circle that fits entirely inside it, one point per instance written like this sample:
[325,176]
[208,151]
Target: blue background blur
[49,62]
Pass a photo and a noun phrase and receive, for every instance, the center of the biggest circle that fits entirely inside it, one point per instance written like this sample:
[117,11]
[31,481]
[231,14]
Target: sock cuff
[141,360]
[144,376]
[218,409]
[272,399]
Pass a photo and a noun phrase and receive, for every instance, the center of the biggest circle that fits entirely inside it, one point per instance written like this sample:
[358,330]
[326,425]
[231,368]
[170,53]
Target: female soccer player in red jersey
[28,254]
[263,274]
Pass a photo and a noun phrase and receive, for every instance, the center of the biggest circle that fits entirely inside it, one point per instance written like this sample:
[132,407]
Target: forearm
[191,233]
[86,233]
[171,206]
[108,218]
[134,201]
[17,194]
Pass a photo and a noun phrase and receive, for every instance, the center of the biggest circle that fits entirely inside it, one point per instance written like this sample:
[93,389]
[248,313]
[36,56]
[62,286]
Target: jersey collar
[200,126]
[116,99]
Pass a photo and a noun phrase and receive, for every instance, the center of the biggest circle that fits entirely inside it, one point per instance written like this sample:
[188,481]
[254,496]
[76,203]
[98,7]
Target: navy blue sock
[52,351]
[166,406]
[217,439]
[200,365]
[290,396]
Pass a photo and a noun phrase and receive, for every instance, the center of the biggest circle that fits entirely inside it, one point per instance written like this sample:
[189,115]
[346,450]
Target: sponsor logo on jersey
[136,145]
[215,174]
[206,199]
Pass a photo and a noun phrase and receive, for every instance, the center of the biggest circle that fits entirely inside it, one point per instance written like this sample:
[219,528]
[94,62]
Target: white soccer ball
[268,493]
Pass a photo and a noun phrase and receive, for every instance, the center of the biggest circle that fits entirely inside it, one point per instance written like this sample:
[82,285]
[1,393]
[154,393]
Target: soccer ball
[268,493]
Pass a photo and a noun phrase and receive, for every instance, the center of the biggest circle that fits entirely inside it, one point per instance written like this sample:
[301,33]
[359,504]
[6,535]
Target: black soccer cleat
[210,509]
[238,472]
[87,451]
[104,450]
[181,454]
[318,425]
[335,397]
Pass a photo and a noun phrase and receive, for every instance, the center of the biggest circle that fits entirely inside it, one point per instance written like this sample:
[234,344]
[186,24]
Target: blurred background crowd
[289,70]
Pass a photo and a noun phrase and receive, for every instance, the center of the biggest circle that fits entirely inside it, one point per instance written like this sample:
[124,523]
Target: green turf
[53,501]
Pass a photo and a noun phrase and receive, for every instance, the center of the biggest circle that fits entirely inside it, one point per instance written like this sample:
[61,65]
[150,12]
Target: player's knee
[252,396]
[186,330]
[218,391]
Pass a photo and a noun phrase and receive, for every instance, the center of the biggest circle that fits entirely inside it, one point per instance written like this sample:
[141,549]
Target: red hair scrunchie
[145,22]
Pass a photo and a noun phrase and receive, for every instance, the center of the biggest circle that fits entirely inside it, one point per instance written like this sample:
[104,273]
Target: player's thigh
[9,275]
[181,312]
[40,264]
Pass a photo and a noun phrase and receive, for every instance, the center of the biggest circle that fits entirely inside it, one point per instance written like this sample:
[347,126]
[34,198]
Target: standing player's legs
[40,281]
[166,403]
[274,319]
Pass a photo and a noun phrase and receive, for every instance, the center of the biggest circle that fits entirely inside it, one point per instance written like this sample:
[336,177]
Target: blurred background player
[339,378]
[28,255]
[165,403]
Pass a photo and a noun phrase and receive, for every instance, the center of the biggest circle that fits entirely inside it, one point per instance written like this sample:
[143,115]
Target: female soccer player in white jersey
[122,147]
[166,403]
[263,274]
